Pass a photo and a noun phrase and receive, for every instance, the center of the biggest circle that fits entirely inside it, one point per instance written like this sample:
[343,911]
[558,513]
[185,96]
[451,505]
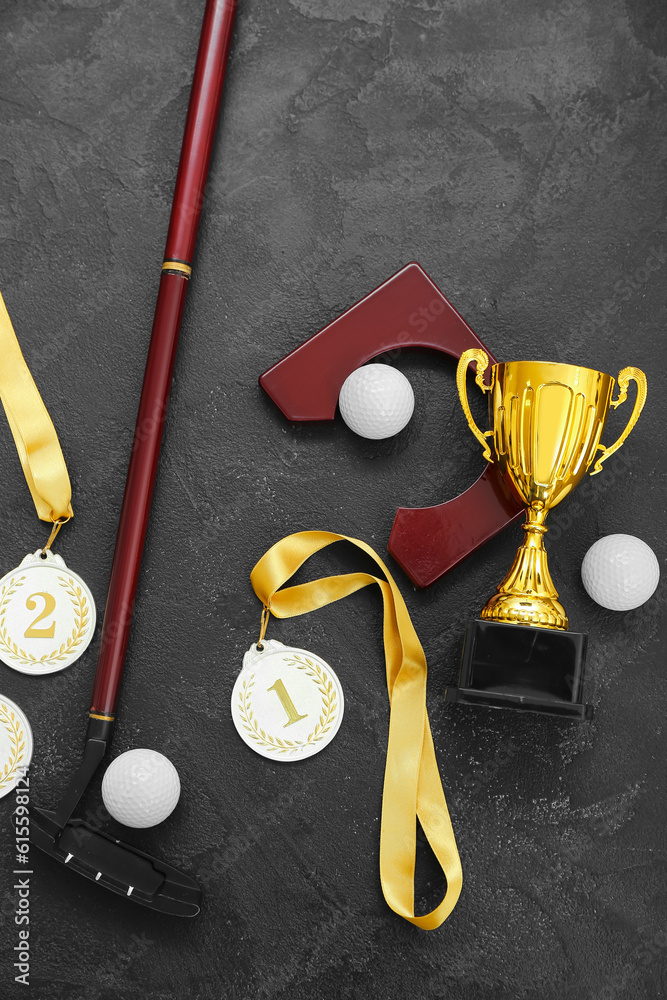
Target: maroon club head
[407,310]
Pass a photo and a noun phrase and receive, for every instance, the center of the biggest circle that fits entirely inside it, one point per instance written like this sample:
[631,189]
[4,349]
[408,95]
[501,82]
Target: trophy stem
[527,595]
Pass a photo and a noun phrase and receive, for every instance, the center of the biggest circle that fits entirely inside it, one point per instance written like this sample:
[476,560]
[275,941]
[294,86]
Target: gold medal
[412,786]
[287,703]
[47,615]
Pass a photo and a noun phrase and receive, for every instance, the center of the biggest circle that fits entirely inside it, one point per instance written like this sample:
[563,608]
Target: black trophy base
[520,666]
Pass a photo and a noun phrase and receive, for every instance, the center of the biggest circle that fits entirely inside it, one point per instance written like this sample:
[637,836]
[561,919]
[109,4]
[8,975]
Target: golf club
[77,844]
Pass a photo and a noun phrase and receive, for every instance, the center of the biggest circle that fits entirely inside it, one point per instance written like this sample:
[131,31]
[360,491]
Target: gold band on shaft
[177,267]
[104,718]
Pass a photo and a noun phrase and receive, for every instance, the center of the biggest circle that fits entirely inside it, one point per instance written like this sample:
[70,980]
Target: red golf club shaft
[203,110]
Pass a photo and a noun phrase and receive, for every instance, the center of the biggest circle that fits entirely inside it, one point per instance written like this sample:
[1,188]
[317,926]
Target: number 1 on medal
[287,703]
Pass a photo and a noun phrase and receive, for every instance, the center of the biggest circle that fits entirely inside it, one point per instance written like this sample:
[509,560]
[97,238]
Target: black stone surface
[518,152]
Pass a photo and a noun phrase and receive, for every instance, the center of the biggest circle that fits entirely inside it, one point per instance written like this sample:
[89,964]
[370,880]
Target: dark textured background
[517,150]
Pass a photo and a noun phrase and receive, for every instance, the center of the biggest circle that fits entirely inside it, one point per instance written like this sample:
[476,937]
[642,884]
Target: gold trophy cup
[546,423]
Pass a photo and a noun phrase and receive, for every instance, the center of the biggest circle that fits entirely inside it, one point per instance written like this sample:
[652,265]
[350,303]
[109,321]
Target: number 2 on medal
[287,703]
[49,606]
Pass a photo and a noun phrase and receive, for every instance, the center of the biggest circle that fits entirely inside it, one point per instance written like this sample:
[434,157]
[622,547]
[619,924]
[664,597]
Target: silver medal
[47,615]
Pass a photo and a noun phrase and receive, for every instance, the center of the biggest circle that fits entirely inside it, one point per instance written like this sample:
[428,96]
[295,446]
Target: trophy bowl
[546,421]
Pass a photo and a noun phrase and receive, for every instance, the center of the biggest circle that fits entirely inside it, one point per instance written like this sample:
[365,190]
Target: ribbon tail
[398,834]
[436,823]
[35,436]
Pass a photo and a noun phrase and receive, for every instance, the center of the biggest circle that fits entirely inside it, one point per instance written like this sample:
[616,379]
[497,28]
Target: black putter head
[103,859]
[115,865]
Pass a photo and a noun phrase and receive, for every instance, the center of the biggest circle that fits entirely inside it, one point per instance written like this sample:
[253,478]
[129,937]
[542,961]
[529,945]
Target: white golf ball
[376,401]
[141,788]
[620,572]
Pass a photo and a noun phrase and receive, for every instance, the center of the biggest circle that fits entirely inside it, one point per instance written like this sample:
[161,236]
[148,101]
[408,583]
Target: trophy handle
[482,359]
[623,381]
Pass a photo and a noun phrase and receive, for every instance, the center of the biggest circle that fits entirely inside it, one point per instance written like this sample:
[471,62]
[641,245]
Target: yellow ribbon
[34,434]
[412,786]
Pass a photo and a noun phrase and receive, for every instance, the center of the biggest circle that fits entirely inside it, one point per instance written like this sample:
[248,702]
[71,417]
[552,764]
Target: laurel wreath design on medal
[81,619]
[16,742]
[325,722]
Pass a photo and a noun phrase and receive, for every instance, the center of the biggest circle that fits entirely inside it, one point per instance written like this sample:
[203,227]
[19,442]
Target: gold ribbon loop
[412,786]
[57,525]
[33,431]
[263,625]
